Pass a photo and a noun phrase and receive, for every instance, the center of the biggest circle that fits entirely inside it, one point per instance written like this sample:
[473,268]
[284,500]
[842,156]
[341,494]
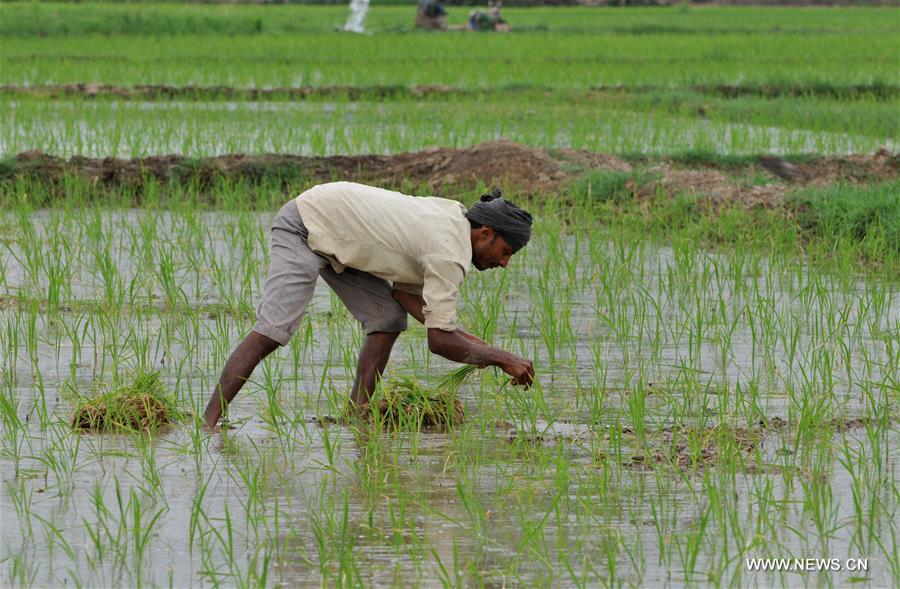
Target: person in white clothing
[358,10]
[386,255]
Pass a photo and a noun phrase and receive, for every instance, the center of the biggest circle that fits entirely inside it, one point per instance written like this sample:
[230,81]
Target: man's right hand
[520,369]
[454,345]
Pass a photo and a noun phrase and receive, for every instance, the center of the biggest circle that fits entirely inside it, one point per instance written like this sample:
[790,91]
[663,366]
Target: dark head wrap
[512,223]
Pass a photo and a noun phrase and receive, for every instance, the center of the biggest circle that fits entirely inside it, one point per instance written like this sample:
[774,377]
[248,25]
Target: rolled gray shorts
[293,272]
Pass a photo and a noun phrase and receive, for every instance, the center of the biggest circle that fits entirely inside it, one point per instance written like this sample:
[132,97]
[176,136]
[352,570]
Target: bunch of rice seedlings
[405,404]
[452,381]
[142,404]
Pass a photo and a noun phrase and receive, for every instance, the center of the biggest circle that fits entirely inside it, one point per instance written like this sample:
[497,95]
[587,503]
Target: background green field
[661,80]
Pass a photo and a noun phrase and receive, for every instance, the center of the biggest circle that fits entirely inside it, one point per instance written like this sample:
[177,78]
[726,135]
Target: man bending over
[384,254]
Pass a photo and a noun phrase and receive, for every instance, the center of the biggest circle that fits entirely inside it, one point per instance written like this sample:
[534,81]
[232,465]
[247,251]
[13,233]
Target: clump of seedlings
[406,404]
[139,405]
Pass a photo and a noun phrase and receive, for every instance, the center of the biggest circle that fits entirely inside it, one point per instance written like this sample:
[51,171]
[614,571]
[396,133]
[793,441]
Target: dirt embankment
[498,162]
[394,92]
[766,181]
[532,171]
[164,92]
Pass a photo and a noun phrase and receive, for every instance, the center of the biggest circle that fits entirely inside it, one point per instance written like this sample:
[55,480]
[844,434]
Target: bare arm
[452,345]
[463,347]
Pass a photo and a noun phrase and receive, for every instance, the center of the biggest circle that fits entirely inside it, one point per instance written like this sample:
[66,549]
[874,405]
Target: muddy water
[531,491]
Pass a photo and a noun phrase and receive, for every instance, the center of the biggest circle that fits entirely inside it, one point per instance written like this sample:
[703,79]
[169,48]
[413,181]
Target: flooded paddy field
[130,129]
[714,330]
[692,409]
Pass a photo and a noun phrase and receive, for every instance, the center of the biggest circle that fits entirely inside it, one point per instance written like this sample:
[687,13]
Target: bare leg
[373,357]
[237,371]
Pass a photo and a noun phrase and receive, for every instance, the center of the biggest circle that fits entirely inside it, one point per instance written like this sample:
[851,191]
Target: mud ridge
[528,170]
[165,92]
[498,162]
[222,92]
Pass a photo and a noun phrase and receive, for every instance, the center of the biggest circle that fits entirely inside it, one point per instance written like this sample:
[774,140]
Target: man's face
[489,249]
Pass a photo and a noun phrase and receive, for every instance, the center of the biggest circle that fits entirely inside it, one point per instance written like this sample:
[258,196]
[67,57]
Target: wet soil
[191,91]
[684,447]
[748,183]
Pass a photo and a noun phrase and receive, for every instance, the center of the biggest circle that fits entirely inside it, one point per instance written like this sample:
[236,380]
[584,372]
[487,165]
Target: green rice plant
[254,478]
[98,531]
[54,536]
[139,405]
[608,186]
[20,573]
[693,542]
[334,539]
[847,215]
[138,528]
[21,500]
[60,457]
[575,46]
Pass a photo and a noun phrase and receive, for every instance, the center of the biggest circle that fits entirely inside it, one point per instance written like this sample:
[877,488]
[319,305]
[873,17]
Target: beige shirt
[420,244]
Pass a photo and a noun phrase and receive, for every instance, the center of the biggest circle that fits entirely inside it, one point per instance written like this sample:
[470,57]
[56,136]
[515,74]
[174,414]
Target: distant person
[358,10]
[385,255]
[431,14]
[487,21]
